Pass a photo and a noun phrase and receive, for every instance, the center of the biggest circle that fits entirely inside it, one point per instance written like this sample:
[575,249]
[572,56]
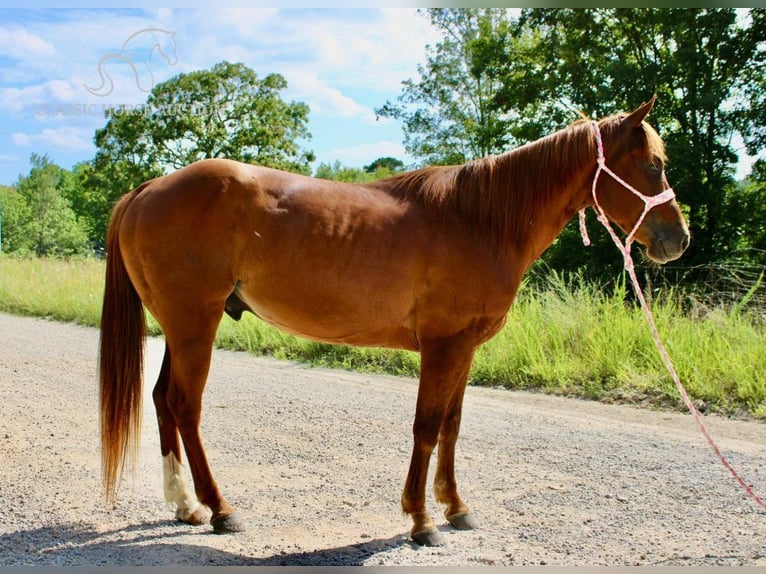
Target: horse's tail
[123,331]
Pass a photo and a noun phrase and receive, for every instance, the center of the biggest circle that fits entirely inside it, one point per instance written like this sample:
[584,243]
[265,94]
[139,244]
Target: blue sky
[343,63]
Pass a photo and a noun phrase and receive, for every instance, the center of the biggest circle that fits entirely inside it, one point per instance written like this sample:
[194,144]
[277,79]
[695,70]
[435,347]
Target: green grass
[597,347]
[51,288]
[567,339]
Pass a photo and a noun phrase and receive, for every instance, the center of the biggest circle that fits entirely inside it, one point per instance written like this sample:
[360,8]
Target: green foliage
[388,164]
[696,60]
[224,112]
[91,193]
[13,215]
[123,161]
[496,81]
[743,231]
[447,113]
[379,169]
[338,172]
[38,219]
[753,124]
[599,346]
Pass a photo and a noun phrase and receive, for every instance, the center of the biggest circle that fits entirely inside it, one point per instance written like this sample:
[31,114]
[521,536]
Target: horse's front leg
[445,484]
[444,368]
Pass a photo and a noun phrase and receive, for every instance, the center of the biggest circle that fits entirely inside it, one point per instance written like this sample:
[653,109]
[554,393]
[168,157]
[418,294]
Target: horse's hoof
[199,516]
[463,521]
[428,538]
[228,523]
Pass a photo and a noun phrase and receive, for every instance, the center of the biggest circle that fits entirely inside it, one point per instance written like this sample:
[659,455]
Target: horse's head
[636,154]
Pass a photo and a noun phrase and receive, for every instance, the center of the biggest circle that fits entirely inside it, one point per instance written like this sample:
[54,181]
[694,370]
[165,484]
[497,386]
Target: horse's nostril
[685,242]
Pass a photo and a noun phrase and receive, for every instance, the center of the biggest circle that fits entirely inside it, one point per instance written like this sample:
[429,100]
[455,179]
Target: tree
[338,172]
[539,69]
[225,112]
[745,226]
[447,113]
[754,125]
[378,169]
[390,164]
[91,190]
[13,214]
[47,225]
[699,62]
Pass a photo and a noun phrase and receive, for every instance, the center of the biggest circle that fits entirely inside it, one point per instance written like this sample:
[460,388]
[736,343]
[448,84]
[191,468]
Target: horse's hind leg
[190,354]
[177,493]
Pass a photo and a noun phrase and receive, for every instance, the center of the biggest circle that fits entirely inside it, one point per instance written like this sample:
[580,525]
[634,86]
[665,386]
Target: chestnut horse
[429,261]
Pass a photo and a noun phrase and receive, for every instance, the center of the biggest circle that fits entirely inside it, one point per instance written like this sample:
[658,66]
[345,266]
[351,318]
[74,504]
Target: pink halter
[650,201]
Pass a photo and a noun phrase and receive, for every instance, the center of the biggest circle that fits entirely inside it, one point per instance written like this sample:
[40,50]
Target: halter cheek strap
[650,201]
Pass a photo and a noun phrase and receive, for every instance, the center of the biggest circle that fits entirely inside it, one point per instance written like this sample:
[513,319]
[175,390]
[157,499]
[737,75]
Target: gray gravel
[316,459]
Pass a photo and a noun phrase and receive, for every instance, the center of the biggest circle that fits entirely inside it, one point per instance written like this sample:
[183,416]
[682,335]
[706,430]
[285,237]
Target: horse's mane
[502,194]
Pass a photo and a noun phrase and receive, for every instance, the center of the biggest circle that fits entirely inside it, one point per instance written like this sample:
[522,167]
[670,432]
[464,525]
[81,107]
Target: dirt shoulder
[315,459]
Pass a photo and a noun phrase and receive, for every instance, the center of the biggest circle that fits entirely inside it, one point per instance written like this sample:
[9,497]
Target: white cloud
[375,50]
[242,22]
[58,58]
[364,49]
[63,90]
[20,44]
[342,63]
[66,138]
[325,100]
[37,98]
[329,58]
[16,99]
[25,99]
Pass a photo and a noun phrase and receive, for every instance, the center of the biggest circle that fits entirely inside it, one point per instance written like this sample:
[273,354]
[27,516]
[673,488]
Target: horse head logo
[136,52]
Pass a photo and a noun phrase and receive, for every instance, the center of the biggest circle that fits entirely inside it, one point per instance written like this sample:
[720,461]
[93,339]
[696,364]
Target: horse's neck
[547,181]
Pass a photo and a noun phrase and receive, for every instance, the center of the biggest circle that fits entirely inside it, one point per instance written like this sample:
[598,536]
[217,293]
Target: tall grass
[64,290]
[568,338]
[574,340]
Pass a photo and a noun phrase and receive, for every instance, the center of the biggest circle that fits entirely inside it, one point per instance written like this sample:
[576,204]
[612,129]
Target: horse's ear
[641,112]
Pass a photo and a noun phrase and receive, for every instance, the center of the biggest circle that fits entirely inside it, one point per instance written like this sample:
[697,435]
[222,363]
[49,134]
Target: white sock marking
[177,492]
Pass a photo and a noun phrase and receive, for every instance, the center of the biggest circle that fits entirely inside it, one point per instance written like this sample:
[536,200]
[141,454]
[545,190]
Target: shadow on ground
[149,545]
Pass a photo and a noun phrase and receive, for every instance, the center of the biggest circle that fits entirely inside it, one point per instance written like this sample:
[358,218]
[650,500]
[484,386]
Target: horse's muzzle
[668,241]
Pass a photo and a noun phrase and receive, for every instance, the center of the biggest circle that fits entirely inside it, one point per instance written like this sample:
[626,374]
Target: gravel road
[315,459]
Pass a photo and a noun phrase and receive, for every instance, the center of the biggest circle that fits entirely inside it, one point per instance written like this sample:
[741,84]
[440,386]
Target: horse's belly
[341,323]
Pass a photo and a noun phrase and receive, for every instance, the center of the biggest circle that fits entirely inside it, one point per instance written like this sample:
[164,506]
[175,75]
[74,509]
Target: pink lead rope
[649,203]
